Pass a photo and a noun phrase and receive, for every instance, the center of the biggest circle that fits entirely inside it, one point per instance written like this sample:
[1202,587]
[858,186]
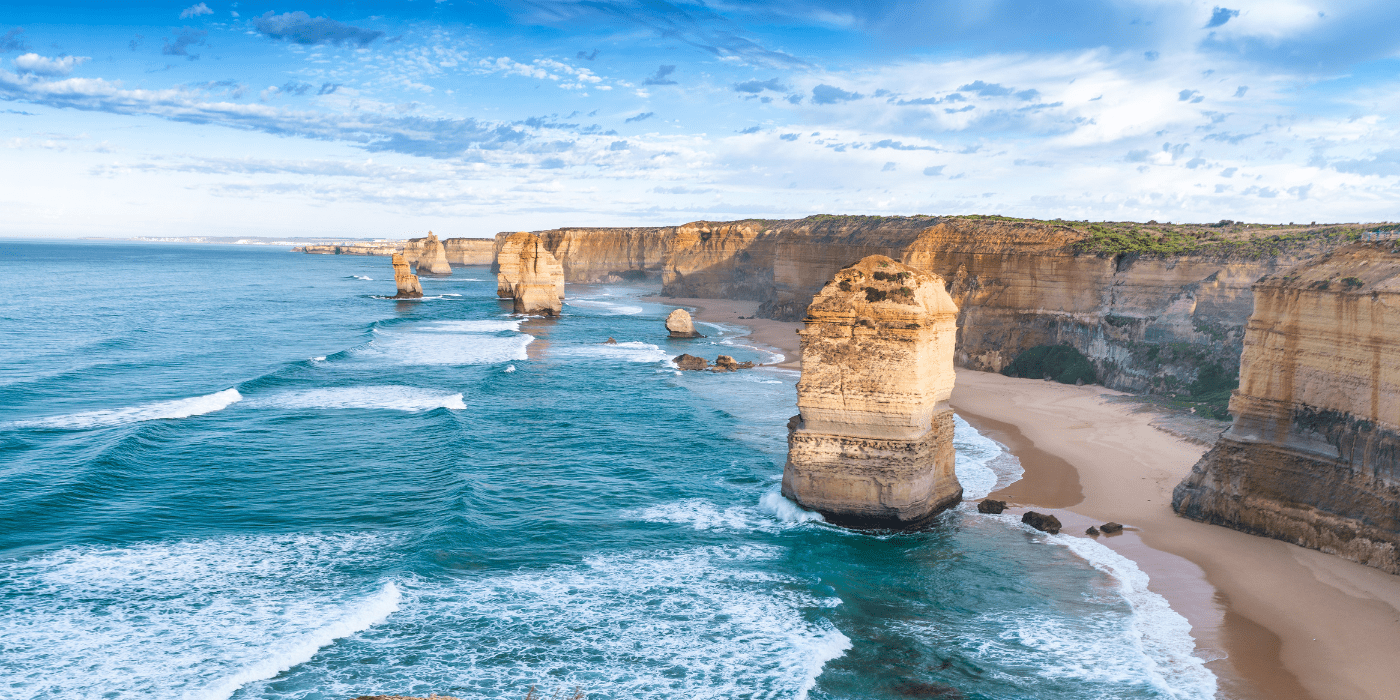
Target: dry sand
[1280,622]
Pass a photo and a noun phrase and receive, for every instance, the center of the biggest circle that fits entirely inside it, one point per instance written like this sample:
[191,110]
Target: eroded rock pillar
[405,280]
[530,274]
[873,443]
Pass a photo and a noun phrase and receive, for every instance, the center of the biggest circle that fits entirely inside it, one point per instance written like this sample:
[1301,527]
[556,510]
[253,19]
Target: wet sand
[1275,621]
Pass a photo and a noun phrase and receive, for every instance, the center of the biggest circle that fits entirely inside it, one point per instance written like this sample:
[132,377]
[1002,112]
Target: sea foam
[159,410]
[448,343]
[631,351]
[982,464]
[397,398]
[184,619]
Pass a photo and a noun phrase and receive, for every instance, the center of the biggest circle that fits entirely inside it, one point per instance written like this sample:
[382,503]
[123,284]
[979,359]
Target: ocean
[240,472]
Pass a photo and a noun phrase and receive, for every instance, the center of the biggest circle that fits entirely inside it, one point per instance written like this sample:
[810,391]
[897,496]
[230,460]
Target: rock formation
[432,260]
[1313,455]
[873,443]
[1040,521]
[511,251]
[680,325]
[691,362]
[725,363]
[405,280]
[530,275]
[1149,319]
[458,251]
[991,506]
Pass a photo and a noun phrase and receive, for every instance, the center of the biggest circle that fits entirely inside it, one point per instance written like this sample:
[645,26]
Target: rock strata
[1040,521]
[529,274]
[873,443]
[433,258]
[680,325]
[1313,455]
[405,280]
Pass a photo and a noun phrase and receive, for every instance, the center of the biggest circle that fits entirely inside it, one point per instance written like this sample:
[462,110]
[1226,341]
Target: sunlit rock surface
[405,280]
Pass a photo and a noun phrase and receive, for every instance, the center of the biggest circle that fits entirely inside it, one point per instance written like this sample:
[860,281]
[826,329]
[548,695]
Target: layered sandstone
[431,256]
[405,280]
[377,248]
[458,251]
[530,275]
[872,445]
[1313,455]
[1148,322]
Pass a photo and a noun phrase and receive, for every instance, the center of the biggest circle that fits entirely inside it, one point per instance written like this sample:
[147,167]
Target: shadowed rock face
[405,280]
[873,444]
[530,275]
[1313,456]
[433,258]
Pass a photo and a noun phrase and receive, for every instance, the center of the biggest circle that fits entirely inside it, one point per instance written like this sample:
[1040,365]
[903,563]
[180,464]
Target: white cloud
[39,65]
[197,10]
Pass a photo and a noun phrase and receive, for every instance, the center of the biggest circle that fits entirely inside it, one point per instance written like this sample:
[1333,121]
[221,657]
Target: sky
[388,119]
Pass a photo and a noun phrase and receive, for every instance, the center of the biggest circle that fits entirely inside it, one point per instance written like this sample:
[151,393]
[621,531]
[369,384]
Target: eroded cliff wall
[1150,322]
[458,251]
[1313,456]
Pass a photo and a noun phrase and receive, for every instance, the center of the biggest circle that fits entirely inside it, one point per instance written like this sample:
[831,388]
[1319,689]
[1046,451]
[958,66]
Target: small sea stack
[530,275]
[433,258]
[680,325]
[405,280]
[873,443]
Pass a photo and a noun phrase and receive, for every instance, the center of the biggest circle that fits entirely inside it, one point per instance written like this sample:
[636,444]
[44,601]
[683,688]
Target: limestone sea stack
[407,282]
[873,443]
[530,275]
[680,325]
[508,263]
[1313,455]
[433,260]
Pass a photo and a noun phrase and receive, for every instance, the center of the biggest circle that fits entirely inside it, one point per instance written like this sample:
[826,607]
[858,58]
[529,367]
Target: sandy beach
[1275,621]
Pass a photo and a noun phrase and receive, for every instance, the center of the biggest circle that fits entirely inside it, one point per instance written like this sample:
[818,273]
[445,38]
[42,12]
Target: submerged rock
[991,506]
[433,259]
[874,446]
[1042,522]
[691,362]
[405,280]
[725,363]
[610,341]
[680,325]
[530,275]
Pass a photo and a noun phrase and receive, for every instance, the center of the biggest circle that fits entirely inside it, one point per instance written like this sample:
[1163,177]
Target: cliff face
[873,444]
[405,280]
[457,251]
[429,255]
[530,275]
[385,249]
[1148,322]
[1313,456]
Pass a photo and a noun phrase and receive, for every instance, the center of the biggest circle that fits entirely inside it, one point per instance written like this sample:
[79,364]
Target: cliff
[431,256]
[405,280]
[1313,455]
[872,445]
[377,248]
[1155,307]
[530,274]
[457,251]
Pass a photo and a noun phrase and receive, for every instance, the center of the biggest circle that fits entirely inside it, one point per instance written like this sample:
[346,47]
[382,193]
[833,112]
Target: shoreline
[1273,620]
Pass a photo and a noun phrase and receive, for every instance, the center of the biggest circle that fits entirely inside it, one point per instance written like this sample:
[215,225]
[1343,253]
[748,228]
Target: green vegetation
[1352,282]
[1225,238]
[1210,393]
[1062,363]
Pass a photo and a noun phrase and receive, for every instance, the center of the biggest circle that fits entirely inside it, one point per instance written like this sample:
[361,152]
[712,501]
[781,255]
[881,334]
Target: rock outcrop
[431,256]
[405,280]
[873,443]
[1041,521]
[691,363]
[1150,319]
[530,275]
[680,325]
[1313,455]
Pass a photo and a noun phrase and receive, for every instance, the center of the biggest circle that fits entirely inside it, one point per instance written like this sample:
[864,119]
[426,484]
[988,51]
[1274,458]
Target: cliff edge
[872,445]
[1313,455]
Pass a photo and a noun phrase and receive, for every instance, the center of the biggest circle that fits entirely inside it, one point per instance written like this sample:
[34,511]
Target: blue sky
[469,118]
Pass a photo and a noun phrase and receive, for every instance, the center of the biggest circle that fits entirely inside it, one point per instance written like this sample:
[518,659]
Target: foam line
[160,410]
[397,398]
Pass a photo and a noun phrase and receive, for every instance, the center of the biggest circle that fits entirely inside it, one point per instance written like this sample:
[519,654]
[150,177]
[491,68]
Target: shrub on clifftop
[1062,363]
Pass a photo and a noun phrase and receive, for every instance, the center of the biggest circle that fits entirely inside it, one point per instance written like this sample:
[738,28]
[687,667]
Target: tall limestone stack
[873,444]
[1313,456]
[405,280]
[530,275]
[433,259]
[508,259]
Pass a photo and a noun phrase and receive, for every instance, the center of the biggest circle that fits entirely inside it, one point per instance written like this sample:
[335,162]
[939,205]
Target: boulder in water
[691,362]
[680,325]
[1092,531]
[725,363]
[1042,522]
[1111,528]
[991,506]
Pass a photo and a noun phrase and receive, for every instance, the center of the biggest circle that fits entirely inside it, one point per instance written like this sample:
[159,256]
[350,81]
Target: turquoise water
[238,472]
